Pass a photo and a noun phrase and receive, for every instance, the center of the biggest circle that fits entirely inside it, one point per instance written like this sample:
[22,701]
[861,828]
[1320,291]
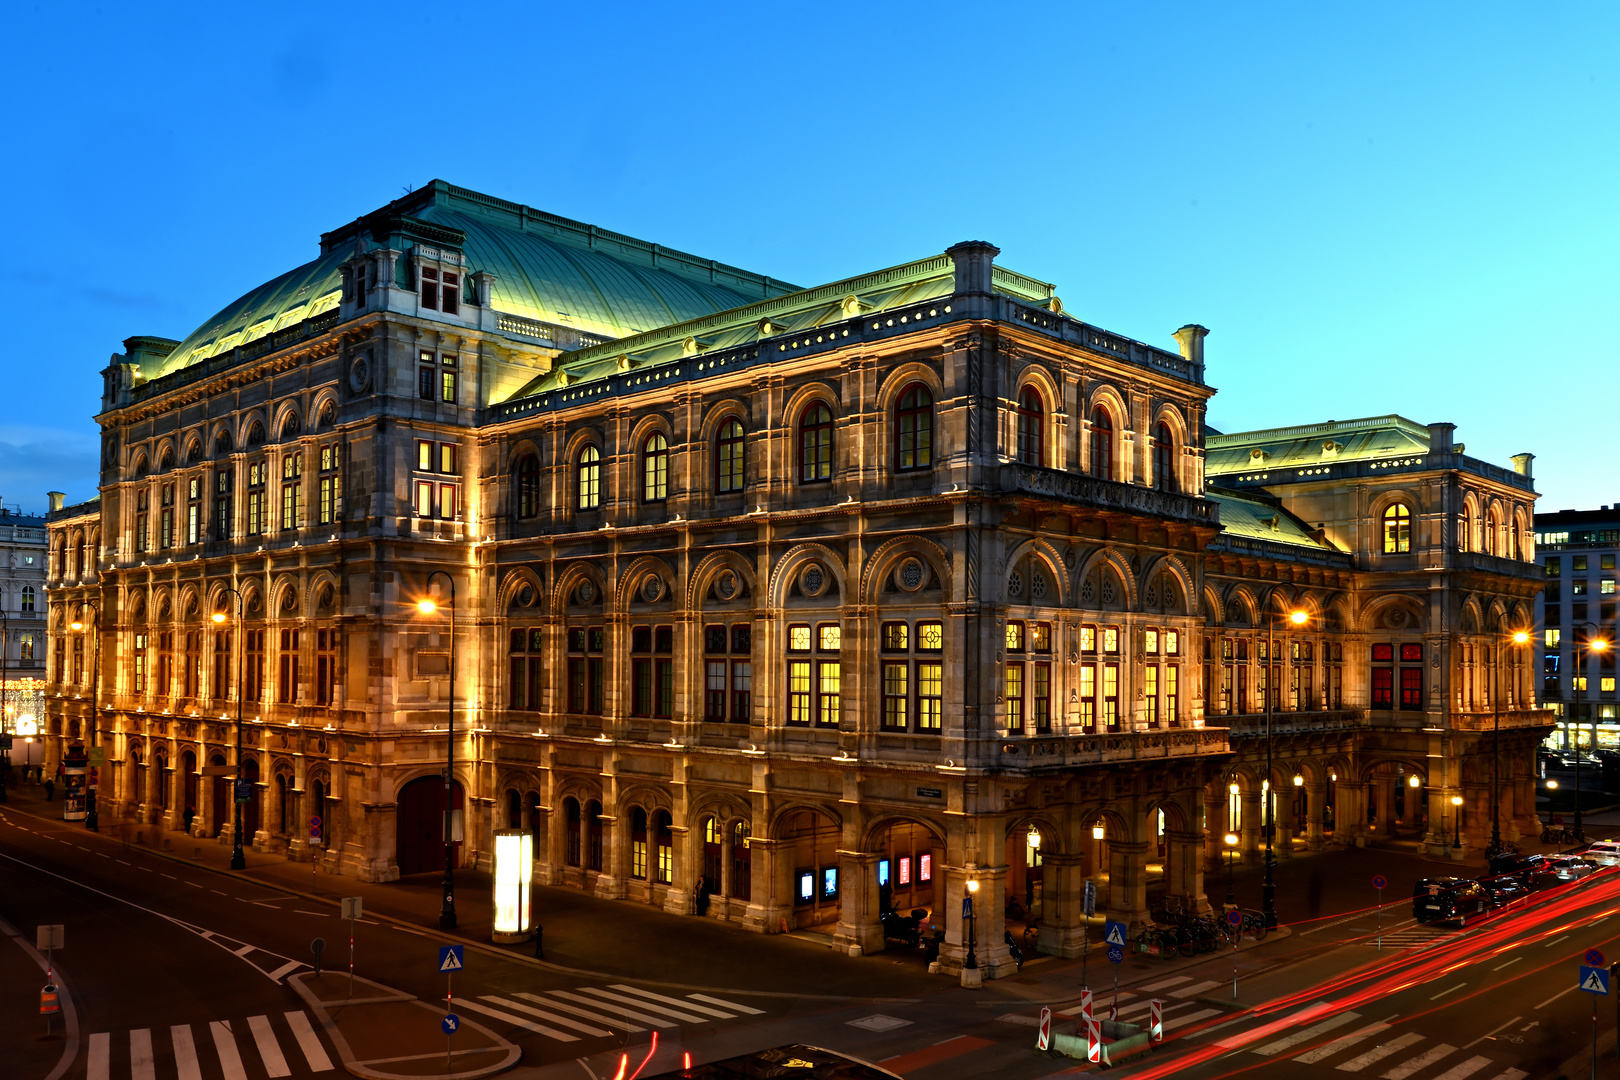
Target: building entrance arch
[810,841]
[220,802]
[909,860]
[420,825]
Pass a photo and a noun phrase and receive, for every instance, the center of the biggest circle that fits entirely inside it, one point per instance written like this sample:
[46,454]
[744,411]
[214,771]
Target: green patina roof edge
[1328,427]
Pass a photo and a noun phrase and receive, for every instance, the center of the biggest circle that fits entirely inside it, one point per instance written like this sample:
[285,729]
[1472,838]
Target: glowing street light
[428,606]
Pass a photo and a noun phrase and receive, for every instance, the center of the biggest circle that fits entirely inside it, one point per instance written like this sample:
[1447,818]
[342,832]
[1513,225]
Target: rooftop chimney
[1521,464]
[1440,438]
[56,498]
[1191,339]
[973,259]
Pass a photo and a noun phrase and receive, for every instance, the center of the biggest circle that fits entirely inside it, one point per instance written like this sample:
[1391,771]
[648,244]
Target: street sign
[1115,953]
[1115,933]
[1043,1038]
[1091,899]
[449,958]
[314,828]
[98,755]
[1234,917]
[1085,1004]
[1156,1020]
[967,907]
[450,1023]
[1380,882]
[351,906]
[1594,980]
[244,790]
[49,937]
[1594,957]
[217,770]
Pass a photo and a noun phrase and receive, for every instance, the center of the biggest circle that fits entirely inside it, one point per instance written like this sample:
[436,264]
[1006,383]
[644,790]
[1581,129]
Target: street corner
[386,1034]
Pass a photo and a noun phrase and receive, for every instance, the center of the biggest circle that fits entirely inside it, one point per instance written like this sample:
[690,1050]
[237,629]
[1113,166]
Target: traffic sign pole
[1380,882]
[1234,919]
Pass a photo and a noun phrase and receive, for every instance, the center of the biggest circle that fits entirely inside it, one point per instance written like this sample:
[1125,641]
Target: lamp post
[1456,821]
[1593,645]
[1268,888]
[1231,846]
[1520,638]
[91,820]
[238,858]
[1552,786]
[427,606]
[972,961]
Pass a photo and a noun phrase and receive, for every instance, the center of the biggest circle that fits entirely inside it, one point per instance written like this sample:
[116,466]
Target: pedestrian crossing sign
[1114,933]
[449,958]
[1594,980]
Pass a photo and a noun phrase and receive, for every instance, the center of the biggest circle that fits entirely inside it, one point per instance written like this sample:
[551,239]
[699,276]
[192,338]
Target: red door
[420,828]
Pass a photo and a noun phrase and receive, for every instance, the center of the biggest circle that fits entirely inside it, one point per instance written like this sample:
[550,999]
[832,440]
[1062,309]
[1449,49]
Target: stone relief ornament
[1037,585]
[911,575]
[652,589]
[359,374]
[725,586]
[1015,584]
[586,592]
[813,581]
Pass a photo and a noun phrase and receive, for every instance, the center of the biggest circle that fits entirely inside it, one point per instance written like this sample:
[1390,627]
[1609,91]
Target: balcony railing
[1108,494]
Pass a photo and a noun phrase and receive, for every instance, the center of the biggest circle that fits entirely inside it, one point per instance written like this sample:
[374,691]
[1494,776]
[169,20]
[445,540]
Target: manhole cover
[879,1023]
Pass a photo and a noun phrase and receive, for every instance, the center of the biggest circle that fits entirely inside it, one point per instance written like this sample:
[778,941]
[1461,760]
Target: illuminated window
[930,636]
[1397,529]
[588,478]
[527,475]
[292,472]
[1164,461]
[1102,444]
[1606,684]
[655,469]
[194,509]
[1031,427]
[896,637]
[730,451]
[1606,586]
[914,429]
[426,375]
[447,379]
[328,485]
[1015,698]
[798,639]
[815,444]
[257,475]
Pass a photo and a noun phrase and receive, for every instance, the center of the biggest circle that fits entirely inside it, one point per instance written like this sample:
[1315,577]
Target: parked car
[1602,852]
[1529,871]
[1566,868]
[1504,891]
[1450,899]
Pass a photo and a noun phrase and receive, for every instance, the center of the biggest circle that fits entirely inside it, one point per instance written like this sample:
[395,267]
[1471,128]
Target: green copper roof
[1314,444]
[1242,515]
[546,267]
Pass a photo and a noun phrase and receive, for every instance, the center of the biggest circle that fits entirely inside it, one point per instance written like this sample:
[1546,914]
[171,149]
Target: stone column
[1350,813]
[1062,905]
[1127,883]
[1214,826]
[859,930]
[1253,826]
[1385,787]
[1184,874]
[1315,801]
[681,899]
[771,908]
[615,855]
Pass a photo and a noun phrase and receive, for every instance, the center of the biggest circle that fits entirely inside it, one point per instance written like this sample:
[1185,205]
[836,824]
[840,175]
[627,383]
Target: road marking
[1465,1070]
[1515,960]
[722,1002]
[1195,989]
[1422,1061]
[185,1052]
[604,1006]
[517,1021]
[561,1021]
[126,862]
[314,1052]
[1266,1030]
[1380,1052]
[194,885]
[220,893]
[1491,1032]
[171,877]
[225,1045]
[1307,1035]
[291,965]
[148,869]
[687,1018]
[1555,941]
[1443,993]
[674,1001]
[560,1007]
[1556,996]
[1513,1074]
[1201,1014]
[140,1055]
[269,1050]
[1162,983]
[96,1064]
[1343,1042]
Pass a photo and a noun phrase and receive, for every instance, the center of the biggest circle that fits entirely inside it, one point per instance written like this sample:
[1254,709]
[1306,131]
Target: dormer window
[441,290]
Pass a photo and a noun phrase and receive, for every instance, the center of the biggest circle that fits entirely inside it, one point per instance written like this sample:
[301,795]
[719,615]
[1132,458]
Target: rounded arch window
[1398,529]
[655,468]
[729,457]
[588,477]
[1164,458]
[1102,443]
[815,443]
[527,476]
[914,429]
[1493,532]
[1031,427]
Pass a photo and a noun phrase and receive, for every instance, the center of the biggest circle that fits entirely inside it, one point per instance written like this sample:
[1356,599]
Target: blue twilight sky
[1375,207]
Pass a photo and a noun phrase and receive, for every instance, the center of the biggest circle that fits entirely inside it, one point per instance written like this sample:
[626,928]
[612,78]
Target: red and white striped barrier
[1156,1020]
[1093,1039]
[1043,1039]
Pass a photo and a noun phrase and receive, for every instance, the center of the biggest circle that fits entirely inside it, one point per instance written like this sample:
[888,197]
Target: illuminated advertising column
[514,872]
[75,763]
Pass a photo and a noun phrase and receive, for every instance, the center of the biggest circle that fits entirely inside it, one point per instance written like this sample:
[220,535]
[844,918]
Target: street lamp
[91,820]
[1520,638]
[1593,645]
[1231,846]
[238,858]
[1456,821]
[427,606]
[972,961]
[1268,888]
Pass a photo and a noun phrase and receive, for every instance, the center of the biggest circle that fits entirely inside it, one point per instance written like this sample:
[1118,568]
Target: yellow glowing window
[1551,638]
[1150,641]
[1088,639]
[1110,639]
[799,638]
[1606,684]
[1015,637]
[831,637]
[930,636]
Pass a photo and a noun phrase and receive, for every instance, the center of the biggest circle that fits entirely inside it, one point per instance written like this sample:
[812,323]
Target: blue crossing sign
[1115,953]
[1115,933]
[451,1023]
[1594,980]
[450,958]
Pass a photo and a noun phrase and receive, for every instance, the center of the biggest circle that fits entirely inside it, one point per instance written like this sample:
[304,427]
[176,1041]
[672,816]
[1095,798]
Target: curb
[70,1015]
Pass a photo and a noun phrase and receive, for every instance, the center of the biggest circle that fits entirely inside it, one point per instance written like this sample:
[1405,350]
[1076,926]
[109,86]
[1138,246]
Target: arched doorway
[909,857]
[250,809]
[220,802]
[188,787]
[420,825]
[810,840]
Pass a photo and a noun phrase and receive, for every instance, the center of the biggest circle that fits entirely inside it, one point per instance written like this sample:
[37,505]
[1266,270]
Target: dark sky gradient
[1375,208]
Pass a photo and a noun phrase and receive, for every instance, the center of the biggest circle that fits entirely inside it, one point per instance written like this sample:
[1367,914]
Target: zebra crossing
[1366,1049]
[256,1048]
[587,1012]
[1412,936]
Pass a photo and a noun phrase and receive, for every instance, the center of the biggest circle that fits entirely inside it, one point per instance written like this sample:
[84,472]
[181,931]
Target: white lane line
[290,965]
[1491,1032]
[649,995]
[550,1018]
[171,877]
[1195,989]
[1555,941]
[225,1046]
[1465,1070]
[688,1018]
[1443,993]
[1556,996]
[1307,1035]
[185,1053]
[1162,983]
[314,1052]
[126,862]
[194,885]
[598,1017]
[1380,1052]
[140,1055]
[1515,960]
[1422,1061]
[96,1064]
[1271,1027]
[1512,1074]
[724,1004]
[603,1006]
[148,869]
[269,1050]
[218,891]
[1343,1042]
[517,1021]
[1201,1014]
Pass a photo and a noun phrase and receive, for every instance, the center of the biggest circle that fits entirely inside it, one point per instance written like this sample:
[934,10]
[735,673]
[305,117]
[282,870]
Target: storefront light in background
[514,872]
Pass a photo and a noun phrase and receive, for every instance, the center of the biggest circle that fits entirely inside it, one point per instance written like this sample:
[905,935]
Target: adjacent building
[22,633]
[783,604]
[1576,628]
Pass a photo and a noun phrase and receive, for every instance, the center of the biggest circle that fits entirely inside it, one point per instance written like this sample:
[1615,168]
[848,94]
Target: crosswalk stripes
[1195,989]
[568,1016]
[1404,939]
[1343,1042]
[148,1059]
[1380,1052]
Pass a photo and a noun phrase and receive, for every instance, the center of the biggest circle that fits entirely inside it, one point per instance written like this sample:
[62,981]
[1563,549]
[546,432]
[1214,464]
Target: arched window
[593,835]
[588,470]
[28,598]
[655,468]
[1493,532]
[1031,427]
[742,869]
[815,444]
[914,429]
[528,486]
[664,848]
[571,838]
[514,809]
[1464,526]
[638,843]
[728,457]
[1164,459]
[1397,529]
[1102,443]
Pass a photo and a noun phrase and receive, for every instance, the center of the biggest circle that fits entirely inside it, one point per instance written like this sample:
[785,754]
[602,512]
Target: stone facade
[785,611]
